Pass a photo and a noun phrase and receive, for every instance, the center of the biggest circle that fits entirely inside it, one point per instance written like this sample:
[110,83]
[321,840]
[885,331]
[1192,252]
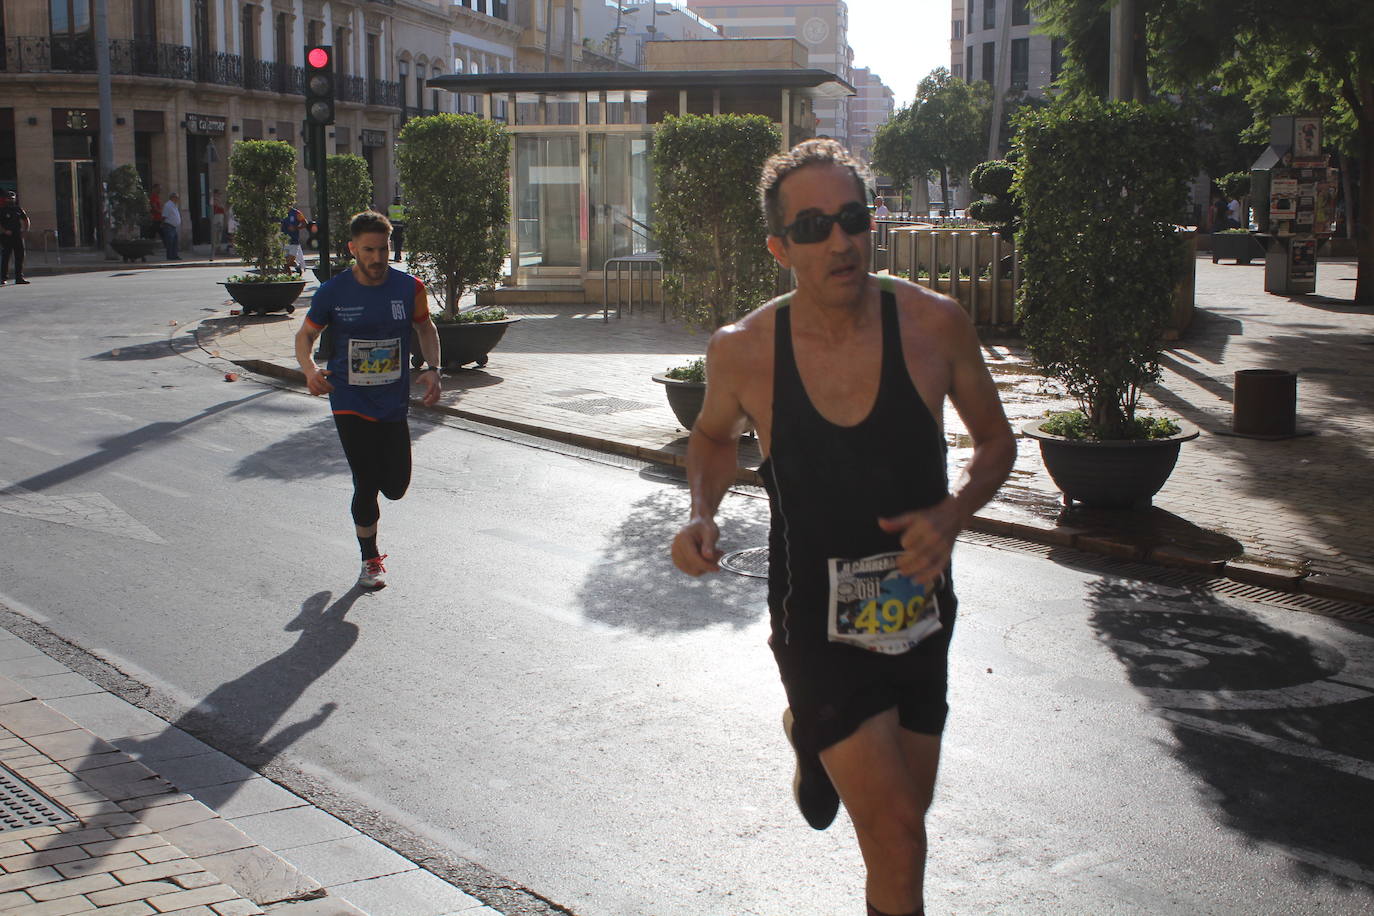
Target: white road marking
[155,487]
[106,412]
[88,511]
[35,446]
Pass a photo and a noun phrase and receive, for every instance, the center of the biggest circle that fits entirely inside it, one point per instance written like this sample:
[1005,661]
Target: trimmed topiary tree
[707,217]
[1102,185]
[453,180]
[128,202]
[1003,211]
[262,188]
[350,192]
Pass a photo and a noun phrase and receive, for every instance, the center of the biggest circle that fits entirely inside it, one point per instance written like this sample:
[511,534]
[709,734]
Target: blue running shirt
[370,367]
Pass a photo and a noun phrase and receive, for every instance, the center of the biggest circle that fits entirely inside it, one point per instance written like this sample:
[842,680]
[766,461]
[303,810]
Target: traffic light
[319,84]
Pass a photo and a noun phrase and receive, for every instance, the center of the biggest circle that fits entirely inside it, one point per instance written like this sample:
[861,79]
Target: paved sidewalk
[166,824]
[1296,514]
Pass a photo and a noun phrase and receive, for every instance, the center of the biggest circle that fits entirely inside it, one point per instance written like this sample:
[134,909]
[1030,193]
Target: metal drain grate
[752,561]
[22,805]
[600,406]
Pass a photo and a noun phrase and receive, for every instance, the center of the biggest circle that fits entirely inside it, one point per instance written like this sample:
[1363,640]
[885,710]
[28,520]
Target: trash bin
[1265,404]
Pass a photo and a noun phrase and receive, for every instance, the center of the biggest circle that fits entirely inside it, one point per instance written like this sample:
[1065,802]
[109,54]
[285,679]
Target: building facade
[996,41]
[822,26]
[621,30]
[190,78]
[872,105]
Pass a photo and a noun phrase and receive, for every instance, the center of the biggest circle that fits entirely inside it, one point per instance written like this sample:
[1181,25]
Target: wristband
[432,369]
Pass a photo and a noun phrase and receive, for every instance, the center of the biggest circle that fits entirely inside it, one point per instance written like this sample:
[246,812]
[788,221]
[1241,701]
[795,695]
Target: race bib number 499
[374,362]
[875,607]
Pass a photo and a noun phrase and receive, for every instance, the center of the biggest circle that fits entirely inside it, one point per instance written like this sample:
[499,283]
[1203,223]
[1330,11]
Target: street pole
[106,155]
[1121,81]
[326,257]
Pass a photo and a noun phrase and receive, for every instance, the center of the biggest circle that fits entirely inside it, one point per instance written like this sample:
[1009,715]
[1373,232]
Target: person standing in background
[171,226]
[14,222]
[396,213]
[217,224]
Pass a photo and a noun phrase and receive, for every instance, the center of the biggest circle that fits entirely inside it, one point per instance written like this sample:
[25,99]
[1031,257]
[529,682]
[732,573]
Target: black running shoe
[811,786]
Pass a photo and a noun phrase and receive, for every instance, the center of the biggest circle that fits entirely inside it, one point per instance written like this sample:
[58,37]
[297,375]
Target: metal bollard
[1265,403]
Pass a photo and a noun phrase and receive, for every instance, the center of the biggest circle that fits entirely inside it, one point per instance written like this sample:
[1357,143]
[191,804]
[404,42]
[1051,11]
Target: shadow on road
[239,717]
[635,585]
[1260,714]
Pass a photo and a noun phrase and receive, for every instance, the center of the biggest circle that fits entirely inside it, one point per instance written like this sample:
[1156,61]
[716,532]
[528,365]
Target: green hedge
[1102,186]
[453,181]
[707,219]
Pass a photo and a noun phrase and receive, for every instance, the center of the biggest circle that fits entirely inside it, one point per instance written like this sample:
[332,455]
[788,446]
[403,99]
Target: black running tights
[379,456]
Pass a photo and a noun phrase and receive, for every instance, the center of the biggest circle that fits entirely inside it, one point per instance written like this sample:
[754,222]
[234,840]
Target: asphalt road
[538,694]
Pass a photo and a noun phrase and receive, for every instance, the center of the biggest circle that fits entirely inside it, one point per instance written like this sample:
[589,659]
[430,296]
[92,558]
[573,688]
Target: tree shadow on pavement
[635,585]
[239,716]
[311,453]
[1259,714]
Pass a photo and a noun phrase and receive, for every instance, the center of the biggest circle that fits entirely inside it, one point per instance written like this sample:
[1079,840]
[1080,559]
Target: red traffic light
[318,58]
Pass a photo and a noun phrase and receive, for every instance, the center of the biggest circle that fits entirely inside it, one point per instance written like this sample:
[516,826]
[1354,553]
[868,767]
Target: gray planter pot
[265,297]
[468,342]
[1121,474]
[684,399]
[134,249]
[1241,248]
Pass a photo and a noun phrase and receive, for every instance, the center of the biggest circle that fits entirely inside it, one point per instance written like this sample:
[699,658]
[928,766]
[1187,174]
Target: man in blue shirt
[372,309]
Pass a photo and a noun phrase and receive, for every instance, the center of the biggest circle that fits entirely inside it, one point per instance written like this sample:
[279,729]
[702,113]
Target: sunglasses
[812,226]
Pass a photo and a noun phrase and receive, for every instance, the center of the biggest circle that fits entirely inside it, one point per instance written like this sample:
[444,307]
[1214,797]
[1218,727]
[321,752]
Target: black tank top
[828,484]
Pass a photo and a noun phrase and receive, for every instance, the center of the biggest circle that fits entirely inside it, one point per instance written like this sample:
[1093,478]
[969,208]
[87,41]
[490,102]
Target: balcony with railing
[137,57]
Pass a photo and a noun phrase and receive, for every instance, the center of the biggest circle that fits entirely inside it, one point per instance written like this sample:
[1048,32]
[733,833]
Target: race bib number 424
[875,607]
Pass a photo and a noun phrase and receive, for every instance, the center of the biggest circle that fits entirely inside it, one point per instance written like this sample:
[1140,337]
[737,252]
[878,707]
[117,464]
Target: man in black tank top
[845,381]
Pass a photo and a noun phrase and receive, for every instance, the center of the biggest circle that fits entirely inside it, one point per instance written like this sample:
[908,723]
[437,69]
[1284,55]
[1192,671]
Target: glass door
[548,186]
[619,197]
[75,198]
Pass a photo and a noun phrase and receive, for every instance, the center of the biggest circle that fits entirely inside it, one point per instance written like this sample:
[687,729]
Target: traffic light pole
[317,140]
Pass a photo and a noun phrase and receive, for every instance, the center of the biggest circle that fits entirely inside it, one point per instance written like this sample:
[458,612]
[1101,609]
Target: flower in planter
[471,316]
[695,371]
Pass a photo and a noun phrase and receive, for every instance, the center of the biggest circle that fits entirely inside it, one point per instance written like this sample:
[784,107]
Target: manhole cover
[600,405]
[752,561]
[22,805]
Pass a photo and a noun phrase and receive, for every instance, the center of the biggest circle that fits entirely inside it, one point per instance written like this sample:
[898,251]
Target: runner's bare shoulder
[934,313]
[746,343]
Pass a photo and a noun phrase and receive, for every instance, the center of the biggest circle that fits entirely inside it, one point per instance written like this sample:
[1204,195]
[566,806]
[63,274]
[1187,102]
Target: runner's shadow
[239,717]
[307,454]
[1258,713]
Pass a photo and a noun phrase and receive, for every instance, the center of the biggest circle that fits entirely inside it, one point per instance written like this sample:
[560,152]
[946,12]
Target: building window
[958,29]
[990,62]
[989,14]
[314,33]
[1056,57]
[403,71]
[1020,12]
[248,33]
[970,15]
[968,63]
[73,43]
[340,50]
[958,71]
[283,40]
[1020,64]
[435,92]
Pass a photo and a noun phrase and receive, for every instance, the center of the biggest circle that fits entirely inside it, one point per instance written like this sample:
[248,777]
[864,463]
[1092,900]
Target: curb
[1249,570]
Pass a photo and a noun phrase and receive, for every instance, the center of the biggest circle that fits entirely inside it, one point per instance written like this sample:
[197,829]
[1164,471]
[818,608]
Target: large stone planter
[1124,474]
[1237,246]
[265,297]
[133,249]
[684,398]
[466,342]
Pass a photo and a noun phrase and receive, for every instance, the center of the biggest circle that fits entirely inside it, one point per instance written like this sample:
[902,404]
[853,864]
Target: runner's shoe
[811,786]
[371,576]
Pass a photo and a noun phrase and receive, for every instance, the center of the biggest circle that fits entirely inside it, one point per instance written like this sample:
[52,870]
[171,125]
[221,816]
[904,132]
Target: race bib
[875,607]
[374,362]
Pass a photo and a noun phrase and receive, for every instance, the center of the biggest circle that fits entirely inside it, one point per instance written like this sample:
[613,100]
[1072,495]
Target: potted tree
[350,192]
[1237,242]
[453,178]
[710,231]
[262,187]
[128,208]
[1101,185]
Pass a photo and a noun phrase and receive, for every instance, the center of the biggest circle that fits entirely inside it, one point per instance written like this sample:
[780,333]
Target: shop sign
[373,137]
[204,124]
